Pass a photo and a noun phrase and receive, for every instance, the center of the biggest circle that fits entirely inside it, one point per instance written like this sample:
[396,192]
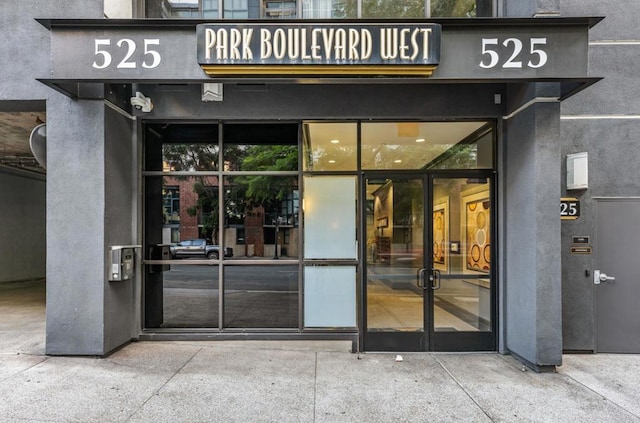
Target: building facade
[394,182]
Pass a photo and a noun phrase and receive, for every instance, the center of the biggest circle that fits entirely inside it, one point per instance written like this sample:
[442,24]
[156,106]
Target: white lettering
[327,37]
[388,43]
[315,44]
[265,44]
[235,37]
[293,43]
[366,45]
[354,40]
[222,51]
[425,42]
[209,43]
[340,46]
[279,44]
[247,34]
[304,55]
[404,48]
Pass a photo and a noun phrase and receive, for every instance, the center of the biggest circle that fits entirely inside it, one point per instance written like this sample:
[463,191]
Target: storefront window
[393,9]
[461,8]
[329,9]
[318,9]
[330,146]
[258,147]
[330,296]
[427,145]
[266,208]
[475,152]
[170,150]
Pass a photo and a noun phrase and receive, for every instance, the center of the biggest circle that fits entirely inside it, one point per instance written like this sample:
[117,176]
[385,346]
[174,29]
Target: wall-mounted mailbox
[122,262]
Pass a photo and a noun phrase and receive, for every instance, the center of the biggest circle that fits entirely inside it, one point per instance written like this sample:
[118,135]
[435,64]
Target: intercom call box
[122,263]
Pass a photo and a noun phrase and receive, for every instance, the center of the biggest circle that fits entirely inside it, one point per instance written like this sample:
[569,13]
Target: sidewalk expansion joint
[467,393]
[157,391]
[600,395]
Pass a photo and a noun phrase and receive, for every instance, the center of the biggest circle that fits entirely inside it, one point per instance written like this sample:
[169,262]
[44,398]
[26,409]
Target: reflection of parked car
[197,248]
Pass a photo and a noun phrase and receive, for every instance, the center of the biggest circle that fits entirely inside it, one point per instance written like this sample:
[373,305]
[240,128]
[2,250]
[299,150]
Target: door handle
[435,279]
[599,277]
[420,278]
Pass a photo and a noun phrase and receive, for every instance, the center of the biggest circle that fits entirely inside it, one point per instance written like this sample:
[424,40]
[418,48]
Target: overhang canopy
[88,53]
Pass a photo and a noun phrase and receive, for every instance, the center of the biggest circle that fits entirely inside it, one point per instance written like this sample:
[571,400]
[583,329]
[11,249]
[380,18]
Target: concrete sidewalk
[296,381]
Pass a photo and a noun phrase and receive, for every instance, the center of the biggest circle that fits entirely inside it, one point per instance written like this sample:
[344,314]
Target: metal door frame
[428,339]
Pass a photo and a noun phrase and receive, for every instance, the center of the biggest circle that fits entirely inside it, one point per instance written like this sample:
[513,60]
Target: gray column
[75,226]
[121,301]
[532,266]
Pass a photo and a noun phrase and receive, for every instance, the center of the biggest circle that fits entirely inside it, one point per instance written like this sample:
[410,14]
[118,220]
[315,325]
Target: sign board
[147,51]
[580,240]
[581,250]
[313,48]
[569,208]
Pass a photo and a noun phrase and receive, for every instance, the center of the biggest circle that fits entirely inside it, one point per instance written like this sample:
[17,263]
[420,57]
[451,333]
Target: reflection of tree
[407,201]
[407,8]
[190,157]
[245,192]
[266,190]
[459,156]
[457,8]
[323,157]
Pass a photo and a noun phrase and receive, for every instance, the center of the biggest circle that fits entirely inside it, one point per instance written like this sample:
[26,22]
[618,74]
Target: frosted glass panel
[330,217]
[330,296]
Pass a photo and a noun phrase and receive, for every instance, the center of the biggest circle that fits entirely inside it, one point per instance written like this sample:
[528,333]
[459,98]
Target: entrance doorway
[617,288]
[428,270]
[274,229]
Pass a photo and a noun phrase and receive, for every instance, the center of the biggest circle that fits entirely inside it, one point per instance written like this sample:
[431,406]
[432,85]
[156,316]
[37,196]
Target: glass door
[428,270]
[396,304]
[461,286]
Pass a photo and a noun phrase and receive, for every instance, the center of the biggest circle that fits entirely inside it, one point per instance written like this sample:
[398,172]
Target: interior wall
[23,233]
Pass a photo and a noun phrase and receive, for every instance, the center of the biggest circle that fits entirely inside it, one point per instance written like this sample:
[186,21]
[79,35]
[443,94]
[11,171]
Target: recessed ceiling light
[332,161]
[420,140]
[335,141]
[397,161]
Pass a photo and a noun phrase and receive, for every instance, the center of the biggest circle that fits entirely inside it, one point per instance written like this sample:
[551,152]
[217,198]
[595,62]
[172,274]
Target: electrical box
[577,171]
[122,263]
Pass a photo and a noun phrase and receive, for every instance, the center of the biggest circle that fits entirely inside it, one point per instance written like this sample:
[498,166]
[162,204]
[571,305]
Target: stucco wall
[25,50]
[604,121]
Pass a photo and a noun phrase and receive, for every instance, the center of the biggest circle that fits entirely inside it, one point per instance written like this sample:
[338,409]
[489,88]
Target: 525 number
[103,52]
[513,48]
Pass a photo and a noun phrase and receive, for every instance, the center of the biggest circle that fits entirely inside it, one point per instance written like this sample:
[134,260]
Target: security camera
[141,102]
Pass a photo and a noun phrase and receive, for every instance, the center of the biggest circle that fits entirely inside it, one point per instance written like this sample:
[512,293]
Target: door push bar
[434,279]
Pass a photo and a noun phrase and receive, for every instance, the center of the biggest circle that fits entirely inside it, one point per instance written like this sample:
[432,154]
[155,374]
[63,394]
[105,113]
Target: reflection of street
[255,296]
[252,278]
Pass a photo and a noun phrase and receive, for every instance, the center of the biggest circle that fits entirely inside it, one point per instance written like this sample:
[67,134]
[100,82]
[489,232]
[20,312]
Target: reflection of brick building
[178,224]
[254,232]
[178,198]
